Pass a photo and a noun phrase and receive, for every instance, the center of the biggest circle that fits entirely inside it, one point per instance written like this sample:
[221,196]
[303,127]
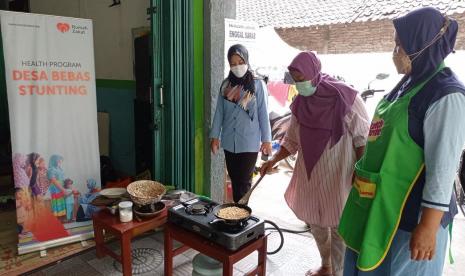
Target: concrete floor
[297,256]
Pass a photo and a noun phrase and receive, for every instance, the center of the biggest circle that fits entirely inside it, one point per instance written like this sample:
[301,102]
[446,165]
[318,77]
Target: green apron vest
[384,177]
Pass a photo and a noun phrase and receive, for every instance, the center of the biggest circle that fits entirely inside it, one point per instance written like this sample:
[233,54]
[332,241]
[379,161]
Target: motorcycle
[368,93]
[459,185]
[279,125]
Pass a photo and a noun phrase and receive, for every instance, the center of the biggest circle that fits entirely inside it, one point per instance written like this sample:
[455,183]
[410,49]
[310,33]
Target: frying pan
[231,222]
[241,204]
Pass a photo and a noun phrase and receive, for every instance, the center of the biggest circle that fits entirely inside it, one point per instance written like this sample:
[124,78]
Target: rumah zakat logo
[63,27]
[375,129]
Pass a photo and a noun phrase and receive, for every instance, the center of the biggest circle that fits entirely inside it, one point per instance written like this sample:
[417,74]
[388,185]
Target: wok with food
[231,213]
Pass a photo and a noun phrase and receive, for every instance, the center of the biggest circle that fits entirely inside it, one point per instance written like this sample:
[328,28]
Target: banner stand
[53,243]
[51,91]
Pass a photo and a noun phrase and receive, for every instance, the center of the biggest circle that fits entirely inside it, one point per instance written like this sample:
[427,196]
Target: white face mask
[239,70]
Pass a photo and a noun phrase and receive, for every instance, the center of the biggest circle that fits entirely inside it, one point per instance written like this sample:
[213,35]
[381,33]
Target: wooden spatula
[245,199]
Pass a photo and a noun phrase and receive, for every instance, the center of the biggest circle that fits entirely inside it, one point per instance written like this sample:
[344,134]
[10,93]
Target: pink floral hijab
[19,171]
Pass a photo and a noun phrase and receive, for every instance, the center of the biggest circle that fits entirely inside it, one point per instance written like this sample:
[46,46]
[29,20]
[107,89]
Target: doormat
[147,258]
[144,260]
[13,264]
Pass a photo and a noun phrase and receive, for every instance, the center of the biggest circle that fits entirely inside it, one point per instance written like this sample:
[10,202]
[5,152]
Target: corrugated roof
[377,9]
[305,13]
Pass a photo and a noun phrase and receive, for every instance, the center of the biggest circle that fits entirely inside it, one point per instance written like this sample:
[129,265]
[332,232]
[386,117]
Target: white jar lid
[125,204]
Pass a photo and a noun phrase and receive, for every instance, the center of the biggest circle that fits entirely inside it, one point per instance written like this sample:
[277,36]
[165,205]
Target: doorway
[177,87]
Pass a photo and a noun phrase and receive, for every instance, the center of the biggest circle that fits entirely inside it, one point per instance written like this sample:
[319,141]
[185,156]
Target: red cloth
[279,91]
[58,195]
[120,183]
[46,226]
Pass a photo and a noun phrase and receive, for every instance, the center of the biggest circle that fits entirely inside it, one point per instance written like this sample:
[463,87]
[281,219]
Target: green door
[178,93]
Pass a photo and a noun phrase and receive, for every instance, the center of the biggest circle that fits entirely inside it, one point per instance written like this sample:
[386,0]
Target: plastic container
[205,266]
[275,145]
[125,211]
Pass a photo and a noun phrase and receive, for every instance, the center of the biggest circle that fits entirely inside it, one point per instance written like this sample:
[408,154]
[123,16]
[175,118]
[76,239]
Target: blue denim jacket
[240,133]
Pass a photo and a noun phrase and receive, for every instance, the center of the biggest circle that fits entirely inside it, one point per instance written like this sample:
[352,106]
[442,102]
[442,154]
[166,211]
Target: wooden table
[204,246]
[105,222]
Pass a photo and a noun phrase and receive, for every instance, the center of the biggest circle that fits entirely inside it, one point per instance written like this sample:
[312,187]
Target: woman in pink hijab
[329,126]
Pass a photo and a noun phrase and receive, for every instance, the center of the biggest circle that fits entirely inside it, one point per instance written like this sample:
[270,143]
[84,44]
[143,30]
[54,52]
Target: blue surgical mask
[305,88]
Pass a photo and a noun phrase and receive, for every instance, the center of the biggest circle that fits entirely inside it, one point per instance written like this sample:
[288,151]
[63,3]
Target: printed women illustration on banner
[47,199]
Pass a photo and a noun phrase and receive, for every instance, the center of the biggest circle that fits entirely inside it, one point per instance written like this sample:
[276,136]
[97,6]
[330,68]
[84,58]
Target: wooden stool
[213,250]
[105,222]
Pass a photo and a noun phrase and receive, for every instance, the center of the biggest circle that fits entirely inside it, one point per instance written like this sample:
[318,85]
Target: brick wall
[360,37]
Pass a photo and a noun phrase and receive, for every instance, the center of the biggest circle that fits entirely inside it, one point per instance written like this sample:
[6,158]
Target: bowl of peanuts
[144,192]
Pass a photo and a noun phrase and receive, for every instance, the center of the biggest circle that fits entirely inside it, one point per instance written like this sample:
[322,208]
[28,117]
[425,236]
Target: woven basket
[144,192]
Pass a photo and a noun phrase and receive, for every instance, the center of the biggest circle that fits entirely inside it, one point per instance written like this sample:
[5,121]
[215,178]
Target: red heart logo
[63,27]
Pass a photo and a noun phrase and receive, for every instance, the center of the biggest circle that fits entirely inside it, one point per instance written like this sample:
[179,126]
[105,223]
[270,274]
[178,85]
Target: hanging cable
[280,232]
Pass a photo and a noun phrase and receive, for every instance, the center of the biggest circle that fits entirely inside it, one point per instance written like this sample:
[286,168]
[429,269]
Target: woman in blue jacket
[241,121]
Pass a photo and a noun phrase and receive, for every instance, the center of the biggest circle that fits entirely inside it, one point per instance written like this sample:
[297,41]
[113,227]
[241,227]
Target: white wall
[112,30]
[359,69]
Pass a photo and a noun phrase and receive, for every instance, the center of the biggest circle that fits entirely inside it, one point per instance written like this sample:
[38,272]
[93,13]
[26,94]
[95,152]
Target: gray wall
[215,12]
[113,38]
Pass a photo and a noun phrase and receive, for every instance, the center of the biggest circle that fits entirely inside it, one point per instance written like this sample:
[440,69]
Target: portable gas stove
[195,215]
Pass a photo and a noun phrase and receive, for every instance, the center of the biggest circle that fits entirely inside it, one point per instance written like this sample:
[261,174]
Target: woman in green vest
[396,217]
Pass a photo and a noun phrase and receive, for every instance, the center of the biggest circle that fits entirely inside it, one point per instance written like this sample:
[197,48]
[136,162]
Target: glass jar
[125,211]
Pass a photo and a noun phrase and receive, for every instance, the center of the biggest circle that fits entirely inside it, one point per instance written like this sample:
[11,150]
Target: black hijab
[428,38]
[247,81]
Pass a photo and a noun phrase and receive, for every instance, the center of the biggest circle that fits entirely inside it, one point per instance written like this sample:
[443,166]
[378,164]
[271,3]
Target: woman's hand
[423,240]
[267,166]
[423,243]
[280,155]
[214,145]
[266,148]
